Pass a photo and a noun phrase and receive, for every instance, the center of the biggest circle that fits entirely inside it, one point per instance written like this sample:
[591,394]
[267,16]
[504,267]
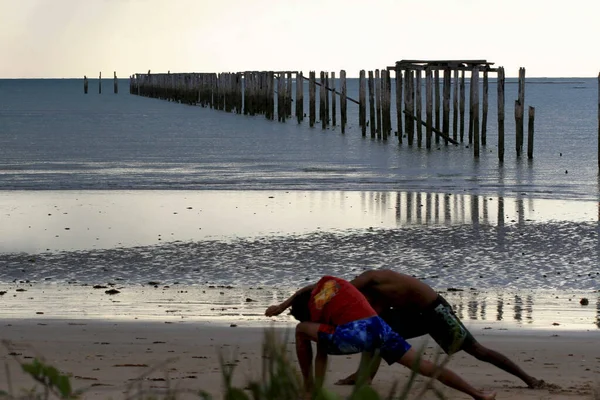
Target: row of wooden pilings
[115,84]
[253,93]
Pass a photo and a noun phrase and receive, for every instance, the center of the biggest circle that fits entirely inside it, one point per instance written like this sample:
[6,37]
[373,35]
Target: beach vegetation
[279,380]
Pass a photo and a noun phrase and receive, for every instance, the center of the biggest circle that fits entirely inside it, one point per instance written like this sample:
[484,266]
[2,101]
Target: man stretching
[412,308]
[337,316]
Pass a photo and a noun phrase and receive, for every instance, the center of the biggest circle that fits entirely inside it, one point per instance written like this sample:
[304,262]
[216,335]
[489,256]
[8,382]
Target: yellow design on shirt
[329,289]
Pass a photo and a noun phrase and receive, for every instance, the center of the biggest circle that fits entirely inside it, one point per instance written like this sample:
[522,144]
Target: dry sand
[109,357]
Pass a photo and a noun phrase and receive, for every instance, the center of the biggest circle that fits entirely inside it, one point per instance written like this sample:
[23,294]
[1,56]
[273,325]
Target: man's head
[299,308]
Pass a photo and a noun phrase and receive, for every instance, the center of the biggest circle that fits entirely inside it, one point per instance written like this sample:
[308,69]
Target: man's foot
[541,384]
[347,381]
[350,380]
[488,396]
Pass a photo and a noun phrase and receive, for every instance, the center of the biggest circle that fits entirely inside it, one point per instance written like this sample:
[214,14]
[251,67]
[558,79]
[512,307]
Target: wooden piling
[343,101]
[475,103]
[530,132]
[362,108]
[500,84]
[446,103]
[399,104]
[388,103]
[385,103]
[471,87]
[333,97]
[484,110]
[371,105]
[299,97]
[378,103]
[598,120]
[409,106]
[288,95]
[428,106]
[518,127]
[455,106]
[418,108]
[283,96]
[322,95]
[100,83]
[327,109]
[519,112]
[437,101]
[462,105]
[312,88]
[115,83]
[85,84]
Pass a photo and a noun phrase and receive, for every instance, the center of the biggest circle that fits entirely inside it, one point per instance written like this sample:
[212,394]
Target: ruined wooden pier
[272,94]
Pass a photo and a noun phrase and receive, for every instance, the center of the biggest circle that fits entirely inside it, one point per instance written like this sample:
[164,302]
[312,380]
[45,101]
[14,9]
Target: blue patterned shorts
[365,335]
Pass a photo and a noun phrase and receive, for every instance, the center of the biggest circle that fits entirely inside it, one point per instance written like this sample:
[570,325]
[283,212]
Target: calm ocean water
[121,188]
[52,136]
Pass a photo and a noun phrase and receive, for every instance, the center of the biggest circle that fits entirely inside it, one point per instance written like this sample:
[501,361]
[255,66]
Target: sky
[72,38]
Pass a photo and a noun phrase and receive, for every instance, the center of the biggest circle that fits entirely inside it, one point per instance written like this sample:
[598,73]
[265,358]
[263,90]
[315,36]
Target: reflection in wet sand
[533,309]
[598,312]
[518,303]
[476,210]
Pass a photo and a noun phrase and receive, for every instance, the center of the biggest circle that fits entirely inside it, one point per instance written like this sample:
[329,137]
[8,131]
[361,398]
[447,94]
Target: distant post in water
[343,100]
[362,108]
[312,89]
[462,105]
[428,106]
[484,109]
[475,93]
[410,105]
[115,83]
[599,120]
[100,83]
[327,97]
[378,103]
[371,105]
[333,96]
[519,112]
[299,97]
[436,80]
[85,84]
[530,133]
[419,108]
[455,106]
[501,114]
[446,103]
[399,103]
[322,94]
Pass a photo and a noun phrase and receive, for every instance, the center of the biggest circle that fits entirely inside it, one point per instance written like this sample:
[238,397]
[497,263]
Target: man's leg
[412,359]
[370,360]
[482,353]
[407,324]
[452,336]
[306,332]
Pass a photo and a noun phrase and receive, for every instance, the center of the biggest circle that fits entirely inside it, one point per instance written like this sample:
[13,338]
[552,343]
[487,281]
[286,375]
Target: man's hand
[274,310]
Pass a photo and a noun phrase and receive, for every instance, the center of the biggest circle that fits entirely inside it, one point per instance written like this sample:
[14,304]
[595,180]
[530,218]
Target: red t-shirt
[335,301]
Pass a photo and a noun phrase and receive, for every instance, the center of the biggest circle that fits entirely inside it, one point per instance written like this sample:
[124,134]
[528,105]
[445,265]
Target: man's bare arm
[279,308]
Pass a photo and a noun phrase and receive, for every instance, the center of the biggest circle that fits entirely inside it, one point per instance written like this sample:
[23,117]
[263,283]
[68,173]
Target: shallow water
[54,137]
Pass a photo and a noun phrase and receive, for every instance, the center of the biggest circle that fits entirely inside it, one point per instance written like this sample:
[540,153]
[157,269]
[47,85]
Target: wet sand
[119,358]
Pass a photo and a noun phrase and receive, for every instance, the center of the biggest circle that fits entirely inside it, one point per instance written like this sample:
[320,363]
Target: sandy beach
[114,359]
